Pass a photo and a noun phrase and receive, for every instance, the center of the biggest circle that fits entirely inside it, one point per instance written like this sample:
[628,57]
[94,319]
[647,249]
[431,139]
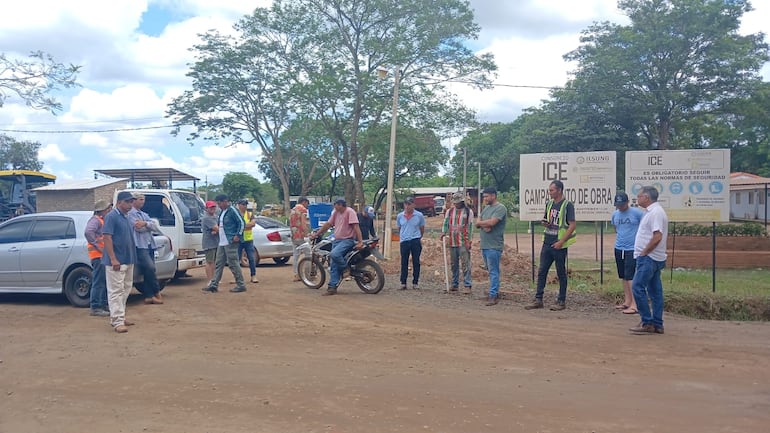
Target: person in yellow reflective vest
[247,242]
[558,234]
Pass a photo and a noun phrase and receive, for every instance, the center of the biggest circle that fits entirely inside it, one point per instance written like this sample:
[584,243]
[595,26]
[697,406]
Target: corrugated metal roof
[80,184]
[148,174]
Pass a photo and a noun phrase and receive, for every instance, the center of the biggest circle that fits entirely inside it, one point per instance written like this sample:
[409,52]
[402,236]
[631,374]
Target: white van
[178,214]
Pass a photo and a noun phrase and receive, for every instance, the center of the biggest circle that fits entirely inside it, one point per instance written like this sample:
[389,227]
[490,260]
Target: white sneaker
[254,279]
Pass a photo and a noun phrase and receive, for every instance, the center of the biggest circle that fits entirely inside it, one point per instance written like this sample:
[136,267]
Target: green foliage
[238,185]
[35,79]
[19,155]
[307,59]
[309,159]
[678,61]
[744,229]
[418,157]
[494,146]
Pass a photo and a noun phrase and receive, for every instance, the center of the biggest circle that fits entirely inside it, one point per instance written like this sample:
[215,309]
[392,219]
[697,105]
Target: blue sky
[134,56]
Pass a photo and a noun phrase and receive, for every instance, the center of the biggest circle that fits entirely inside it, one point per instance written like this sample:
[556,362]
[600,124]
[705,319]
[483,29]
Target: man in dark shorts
[626,220]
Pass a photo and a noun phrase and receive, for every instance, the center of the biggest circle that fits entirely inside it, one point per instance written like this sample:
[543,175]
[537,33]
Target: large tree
[318,59]
[676,61]
[19,155]
[34,79]
[237,96]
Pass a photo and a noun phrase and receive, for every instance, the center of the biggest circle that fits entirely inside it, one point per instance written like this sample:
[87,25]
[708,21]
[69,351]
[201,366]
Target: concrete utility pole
[391,168]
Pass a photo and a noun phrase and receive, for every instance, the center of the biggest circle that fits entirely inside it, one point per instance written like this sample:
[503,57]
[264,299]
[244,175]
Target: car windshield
[191,207]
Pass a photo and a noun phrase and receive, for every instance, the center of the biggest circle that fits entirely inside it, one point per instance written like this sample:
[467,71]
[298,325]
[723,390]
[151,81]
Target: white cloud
[127,102]
[51,152]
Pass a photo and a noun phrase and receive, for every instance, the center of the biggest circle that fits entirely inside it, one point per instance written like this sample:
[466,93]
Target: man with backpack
[558,235]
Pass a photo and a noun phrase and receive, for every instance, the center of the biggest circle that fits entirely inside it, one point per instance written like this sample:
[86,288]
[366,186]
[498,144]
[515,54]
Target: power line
[85,131]
[90,122]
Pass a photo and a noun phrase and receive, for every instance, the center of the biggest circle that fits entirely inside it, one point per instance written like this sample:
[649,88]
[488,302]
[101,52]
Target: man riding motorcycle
[347,235]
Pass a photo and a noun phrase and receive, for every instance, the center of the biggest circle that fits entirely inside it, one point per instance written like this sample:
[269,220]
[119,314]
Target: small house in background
[76,194]
[748,196]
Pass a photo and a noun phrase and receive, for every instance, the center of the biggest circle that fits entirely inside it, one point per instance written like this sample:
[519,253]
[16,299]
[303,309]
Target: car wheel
[281,260]
[77,287]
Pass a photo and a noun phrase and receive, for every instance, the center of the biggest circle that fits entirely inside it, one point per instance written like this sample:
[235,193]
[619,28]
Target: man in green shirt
[492,225]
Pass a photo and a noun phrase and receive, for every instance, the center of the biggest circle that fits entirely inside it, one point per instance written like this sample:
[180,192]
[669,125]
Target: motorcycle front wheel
[311,272]
[370,278]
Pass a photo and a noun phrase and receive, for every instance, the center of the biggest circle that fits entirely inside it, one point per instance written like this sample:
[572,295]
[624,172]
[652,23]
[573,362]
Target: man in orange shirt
[95,240]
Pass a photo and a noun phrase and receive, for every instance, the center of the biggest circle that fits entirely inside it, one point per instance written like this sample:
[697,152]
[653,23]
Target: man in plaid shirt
[457,226]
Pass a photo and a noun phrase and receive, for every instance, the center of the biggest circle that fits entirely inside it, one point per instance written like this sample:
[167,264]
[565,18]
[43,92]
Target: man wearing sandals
[626,220]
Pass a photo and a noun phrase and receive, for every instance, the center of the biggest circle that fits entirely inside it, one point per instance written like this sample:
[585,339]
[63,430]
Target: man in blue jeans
[347,235]
[650,254]
[411,227]
[144,227]
[492,234]
[95,239]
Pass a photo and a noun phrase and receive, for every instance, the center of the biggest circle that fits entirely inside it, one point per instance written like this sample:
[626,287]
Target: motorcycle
[367,273]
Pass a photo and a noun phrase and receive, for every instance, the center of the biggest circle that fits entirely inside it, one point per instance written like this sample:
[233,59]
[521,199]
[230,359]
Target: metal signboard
[694,185]
[588,177]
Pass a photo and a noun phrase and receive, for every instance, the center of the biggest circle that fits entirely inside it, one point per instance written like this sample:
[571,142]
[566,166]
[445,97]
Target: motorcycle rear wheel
[311,272]
[372,278]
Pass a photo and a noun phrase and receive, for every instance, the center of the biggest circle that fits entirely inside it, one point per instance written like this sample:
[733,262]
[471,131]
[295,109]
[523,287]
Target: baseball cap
[341,201]
[210,204]
[243,201]
[489,190]
[125,196]
[457,197]
[621,198]
[369,211]
[409,200]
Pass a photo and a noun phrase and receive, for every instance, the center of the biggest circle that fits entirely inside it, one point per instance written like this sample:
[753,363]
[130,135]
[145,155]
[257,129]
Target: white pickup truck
[178,214]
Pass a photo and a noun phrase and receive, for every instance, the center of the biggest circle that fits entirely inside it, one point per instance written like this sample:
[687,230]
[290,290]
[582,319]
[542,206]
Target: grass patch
[740,294]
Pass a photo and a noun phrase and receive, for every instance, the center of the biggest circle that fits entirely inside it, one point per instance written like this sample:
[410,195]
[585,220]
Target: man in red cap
[210,242]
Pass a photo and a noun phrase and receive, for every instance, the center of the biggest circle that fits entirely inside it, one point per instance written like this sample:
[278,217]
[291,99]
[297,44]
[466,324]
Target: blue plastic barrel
[319,213]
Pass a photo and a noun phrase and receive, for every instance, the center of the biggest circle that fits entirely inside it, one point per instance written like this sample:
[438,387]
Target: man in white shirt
[650,255]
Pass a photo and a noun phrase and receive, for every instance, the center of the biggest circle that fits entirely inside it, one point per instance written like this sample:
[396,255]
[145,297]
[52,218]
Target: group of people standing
[120,238]
[640,249]
[227,233]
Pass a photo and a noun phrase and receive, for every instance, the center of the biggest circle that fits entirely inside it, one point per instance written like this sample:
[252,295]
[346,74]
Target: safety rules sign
[694,185]
[588,177]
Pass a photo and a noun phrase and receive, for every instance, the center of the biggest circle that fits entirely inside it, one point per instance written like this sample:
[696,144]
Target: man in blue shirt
[411,225]
[144,227]
[119,258]
[626,220]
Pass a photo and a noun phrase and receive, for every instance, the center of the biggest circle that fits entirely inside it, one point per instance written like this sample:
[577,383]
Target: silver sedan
[47,253]
[272,240]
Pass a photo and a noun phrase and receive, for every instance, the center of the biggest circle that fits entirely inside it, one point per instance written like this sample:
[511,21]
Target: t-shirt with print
[552,231]
[494,239]
[344,223]
[626,224]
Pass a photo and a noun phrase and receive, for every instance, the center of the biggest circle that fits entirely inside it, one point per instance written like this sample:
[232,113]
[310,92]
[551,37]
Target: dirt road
[280,358]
